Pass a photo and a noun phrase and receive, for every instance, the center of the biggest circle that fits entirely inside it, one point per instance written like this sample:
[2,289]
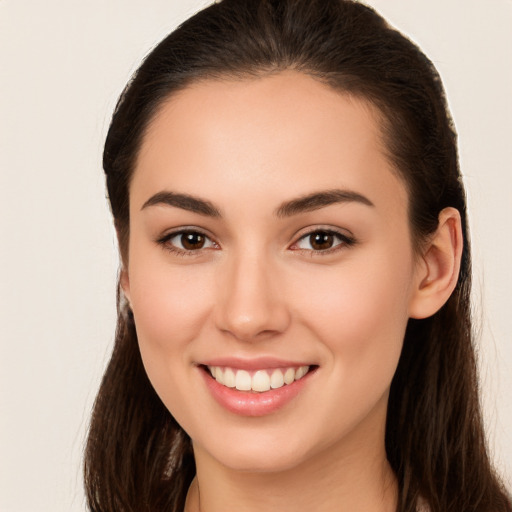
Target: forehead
[274,136]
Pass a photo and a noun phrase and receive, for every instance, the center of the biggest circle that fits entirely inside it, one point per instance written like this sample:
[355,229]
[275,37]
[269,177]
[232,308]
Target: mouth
[259,386]
[257,381]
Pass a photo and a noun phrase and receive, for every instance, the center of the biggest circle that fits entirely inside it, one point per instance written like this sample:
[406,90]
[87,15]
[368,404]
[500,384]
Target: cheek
[361,312]
[169,303]
[364,294]
[170,310]
[170,307]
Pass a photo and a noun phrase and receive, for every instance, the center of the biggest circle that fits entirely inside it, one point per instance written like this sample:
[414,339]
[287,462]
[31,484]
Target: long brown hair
[137,457]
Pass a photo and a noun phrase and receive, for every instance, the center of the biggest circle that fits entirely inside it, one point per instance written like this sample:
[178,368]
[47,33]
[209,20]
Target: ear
[124,281]
[438,266]
[122,237]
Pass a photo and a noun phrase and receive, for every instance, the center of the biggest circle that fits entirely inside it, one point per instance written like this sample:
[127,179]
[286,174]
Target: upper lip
[256,363]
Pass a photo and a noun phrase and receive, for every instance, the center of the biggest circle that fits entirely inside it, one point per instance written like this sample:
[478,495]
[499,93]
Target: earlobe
[438,270]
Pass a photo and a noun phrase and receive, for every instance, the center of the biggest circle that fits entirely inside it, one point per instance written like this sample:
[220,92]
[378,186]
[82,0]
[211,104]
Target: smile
[259,381]
[258,387]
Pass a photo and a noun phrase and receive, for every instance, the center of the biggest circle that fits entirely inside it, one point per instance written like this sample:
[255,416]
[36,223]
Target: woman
[293,328]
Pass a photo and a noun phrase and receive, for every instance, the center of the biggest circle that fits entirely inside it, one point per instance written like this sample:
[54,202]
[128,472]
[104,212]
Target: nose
[252,304]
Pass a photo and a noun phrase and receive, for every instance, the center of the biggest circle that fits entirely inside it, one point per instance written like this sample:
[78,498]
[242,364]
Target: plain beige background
[62,65]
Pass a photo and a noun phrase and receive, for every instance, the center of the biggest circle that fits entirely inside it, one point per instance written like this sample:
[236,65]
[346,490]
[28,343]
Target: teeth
[229,378]
[243,380]
[277,379]
[289,376]
[260,381]
[301,372]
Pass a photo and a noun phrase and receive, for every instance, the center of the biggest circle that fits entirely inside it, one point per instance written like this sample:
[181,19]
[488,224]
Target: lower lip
[246,403]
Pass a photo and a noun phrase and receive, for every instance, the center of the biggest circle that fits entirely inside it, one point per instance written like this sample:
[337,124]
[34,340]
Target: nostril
[249,306]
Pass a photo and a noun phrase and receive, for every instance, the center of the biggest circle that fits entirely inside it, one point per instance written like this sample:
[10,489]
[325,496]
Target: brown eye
[182,242]
[321,240]
[192,241]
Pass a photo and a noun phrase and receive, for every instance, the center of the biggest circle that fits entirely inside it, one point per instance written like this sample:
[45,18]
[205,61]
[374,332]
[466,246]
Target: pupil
[321,240]
[192,241]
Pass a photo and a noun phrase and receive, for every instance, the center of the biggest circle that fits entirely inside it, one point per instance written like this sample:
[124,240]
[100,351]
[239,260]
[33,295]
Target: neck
[354,476]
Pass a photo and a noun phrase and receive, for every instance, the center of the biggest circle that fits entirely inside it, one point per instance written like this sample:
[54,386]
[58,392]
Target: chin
[257,455]
[261,461]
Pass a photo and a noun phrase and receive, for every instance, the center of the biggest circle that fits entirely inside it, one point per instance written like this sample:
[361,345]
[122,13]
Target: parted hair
[137,458]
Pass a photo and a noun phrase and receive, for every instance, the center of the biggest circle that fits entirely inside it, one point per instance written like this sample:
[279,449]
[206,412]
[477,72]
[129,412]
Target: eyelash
[165,242]
[343,239]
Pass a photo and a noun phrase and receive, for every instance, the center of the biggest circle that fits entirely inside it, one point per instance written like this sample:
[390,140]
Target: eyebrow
[183,201]
[319,200]
[303,204]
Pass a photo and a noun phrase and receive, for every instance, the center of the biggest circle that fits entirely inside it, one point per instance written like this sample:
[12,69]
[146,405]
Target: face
[270,269]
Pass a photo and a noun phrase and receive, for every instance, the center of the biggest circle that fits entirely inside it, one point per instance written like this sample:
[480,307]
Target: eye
[322,241]
[187,241]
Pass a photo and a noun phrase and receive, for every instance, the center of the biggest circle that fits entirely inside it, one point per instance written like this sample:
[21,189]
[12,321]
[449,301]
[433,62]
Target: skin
[259,288]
